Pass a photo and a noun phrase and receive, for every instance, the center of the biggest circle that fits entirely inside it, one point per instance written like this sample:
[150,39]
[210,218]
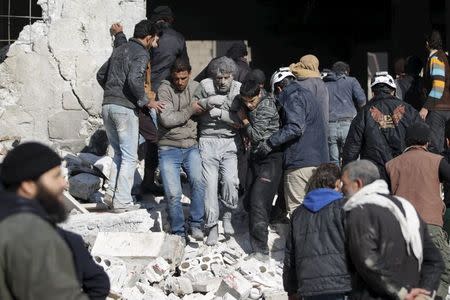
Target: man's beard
[53,207]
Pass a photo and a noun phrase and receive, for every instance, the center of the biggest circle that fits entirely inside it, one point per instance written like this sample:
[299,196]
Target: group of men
[237,142]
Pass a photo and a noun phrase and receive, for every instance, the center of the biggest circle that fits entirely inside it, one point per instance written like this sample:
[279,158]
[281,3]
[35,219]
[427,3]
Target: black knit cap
[28,161]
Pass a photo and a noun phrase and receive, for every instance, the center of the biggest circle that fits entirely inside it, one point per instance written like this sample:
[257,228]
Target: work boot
[213,236]
[197,233]
[227,226]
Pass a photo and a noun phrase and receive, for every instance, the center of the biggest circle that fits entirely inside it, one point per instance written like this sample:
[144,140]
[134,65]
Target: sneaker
[197,233]
[125,208]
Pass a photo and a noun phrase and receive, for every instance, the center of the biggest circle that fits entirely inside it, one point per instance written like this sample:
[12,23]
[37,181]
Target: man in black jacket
[122,78]
[171,46]
[391,252]
[377,133]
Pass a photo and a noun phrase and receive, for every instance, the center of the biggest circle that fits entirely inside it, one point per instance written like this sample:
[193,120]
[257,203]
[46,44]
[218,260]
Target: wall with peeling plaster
[48,89]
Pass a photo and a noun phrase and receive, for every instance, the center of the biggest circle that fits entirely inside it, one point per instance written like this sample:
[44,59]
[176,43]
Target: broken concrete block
[275,295]
[203,281]
[172,250]
[129,244]
[89,225]
[157,270]
[252,267]
[84,185]
[149,292]
[178,285]
[228,296]
[116,270]
[236,285]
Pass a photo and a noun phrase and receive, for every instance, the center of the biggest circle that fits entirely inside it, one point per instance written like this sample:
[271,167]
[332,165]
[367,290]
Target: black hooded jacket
[377,133]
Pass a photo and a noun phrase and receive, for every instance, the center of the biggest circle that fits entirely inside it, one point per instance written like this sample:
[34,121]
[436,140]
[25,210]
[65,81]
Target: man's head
[358,174]
[180,73]
[33,171]
[418,134]
[147,33]
[383,83]
[162,13]
[307,67]
[341,68]
[325,176]
[280,79]
[222,72]
[250,94]
[413,65]
[238,50]
[434,41]
[258,76]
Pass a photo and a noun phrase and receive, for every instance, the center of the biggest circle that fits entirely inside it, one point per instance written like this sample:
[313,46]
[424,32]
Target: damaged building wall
[48,87]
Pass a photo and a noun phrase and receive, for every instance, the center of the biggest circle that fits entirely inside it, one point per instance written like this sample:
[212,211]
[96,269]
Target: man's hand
[215,113]
[116,28]
[197,108]
[242,114]
[216,100]
[157,105]
[423,113]
[151,95]
[417,293]
[263,149]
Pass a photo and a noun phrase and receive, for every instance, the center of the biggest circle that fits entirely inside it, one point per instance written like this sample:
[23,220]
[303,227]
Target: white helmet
[383,77]
[279,75]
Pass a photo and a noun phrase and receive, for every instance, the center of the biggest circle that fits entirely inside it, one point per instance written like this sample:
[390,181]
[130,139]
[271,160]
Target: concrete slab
[129,244]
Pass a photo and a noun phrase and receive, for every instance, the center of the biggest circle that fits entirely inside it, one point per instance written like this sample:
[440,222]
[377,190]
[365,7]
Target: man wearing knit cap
[36,262]
[423,189]
[308,76]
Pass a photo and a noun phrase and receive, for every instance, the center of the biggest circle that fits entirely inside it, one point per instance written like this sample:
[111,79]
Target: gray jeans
[219,162]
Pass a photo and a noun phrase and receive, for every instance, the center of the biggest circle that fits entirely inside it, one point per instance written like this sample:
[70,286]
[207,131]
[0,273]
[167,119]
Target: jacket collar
[138,42]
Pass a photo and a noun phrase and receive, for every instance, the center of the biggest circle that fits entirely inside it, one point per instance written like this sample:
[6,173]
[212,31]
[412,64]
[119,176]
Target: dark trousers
[265,175]
[436,119]
[149,131]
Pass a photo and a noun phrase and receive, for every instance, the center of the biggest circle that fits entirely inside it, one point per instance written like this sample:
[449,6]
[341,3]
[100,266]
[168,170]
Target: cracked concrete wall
[48,87]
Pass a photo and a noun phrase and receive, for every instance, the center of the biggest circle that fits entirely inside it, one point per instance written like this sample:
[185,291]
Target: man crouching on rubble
[39,260]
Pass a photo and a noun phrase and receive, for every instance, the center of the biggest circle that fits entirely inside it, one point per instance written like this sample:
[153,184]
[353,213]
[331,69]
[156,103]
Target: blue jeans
[170,161]
[122,128]
[336,139]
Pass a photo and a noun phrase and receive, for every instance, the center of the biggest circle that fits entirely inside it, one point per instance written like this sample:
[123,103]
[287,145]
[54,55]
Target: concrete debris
[236,285]
[178,285]
[129,244]
[89,225]
[157,270]
[116,270]
[255,294]
[275,295]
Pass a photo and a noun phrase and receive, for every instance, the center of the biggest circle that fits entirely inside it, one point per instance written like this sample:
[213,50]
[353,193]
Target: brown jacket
[414,176]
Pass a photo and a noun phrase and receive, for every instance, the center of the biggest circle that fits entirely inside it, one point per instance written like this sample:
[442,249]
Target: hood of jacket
[308,66]
[319,198]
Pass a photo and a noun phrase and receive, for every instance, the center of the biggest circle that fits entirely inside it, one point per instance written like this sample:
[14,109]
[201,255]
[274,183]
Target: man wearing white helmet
[377,133]
[302,135]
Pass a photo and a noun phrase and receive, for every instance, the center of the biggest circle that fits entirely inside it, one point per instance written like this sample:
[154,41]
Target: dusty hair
[220,66]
